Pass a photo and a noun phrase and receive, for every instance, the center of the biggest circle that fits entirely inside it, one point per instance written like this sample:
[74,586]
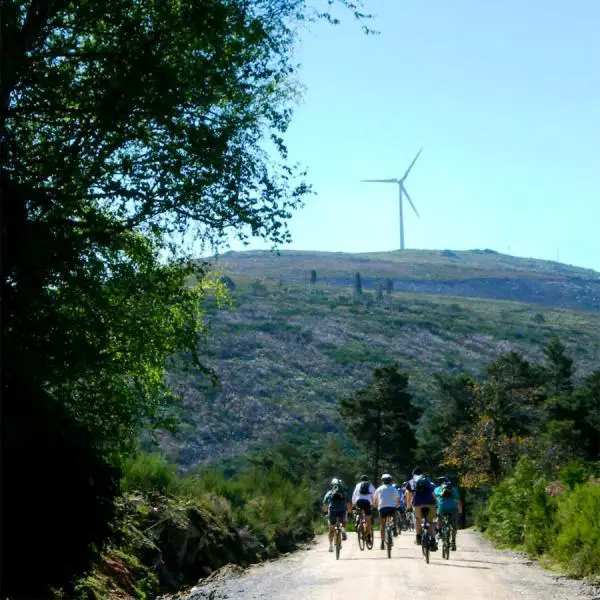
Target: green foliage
[128,129]
[149,473]
[510,503]
[381,417]
[559,368]
[575,473]
[577,545]
[565,528]
[339,460]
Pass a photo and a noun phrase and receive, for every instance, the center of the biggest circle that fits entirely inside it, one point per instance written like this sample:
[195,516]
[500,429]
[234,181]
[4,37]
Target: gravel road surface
[475,571]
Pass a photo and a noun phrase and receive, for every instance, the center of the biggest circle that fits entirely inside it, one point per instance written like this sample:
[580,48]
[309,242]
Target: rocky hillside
[285,351]
[473,273]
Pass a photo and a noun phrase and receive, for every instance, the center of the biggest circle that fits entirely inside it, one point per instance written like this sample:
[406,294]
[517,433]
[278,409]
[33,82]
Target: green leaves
[382,418]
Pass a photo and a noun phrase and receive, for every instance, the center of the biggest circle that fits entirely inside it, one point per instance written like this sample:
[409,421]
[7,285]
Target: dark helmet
[364,478]
[443,479]
[417,471]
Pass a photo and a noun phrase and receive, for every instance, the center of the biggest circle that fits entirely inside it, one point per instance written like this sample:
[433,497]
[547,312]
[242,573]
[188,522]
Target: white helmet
[386,478]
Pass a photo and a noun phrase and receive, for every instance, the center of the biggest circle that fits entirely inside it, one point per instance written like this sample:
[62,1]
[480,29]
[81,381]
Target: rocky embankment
[165,544]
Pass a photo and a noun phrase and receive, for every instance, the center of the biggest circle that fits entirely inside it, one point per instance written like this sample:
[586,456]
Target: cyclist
[335,504]
[362,497]
[448,503]
[401,487]
[420,495]
[387,500]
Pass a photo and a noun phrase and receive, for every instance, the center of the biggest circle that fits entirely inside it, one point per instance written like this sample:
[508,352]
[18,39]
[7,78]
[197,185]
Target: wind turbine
[401,191]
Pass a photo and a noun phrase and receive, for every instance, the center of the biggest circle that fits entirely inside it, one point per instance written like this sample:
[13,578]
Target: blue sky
[503,96]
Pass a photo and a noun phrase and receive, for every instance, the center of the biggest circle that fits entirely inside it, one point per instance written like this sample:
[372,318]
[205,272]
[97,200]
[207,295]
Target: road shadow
[451,564]
[382,557]
[487,562]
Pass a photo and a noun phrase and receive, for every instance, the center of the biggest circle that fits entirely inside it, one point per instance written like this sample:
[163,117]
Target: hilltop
[471,273]
[285,351]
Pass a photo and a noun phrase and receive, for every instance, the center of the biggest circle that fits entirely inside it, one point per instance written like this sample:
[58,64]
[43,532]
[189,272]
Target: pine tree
[357,283]
[381,417]
[559,368]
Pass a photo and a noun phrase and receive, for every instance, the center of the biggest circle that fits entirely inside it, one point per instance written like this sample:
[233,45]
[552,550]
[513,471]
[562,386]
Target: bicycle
[389,534]
[445,535]
[401,521]
[425,539]
[361,529]
[338,537]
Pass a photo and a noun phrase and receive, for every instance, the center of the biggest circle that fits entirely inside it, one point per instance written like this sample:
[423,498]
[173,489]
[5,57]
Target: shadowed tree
[558,368]
[357,284]
[382,418]
[128,128]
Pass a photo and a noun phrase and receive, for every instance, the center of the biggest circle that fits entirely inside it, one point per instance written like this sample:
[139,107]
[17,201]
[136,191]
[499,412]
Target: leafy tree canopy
[130,128]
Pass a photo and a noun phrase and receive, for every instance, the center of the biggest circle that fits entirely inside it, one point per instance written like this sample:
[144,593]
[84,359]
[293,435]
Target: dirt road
[475,571]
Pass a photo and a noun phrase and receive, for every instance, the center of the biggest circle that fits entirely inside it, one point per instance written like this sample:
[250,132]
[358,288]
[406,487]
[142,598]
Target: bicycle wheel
[369,541]
[389,541]
[425,544]
[446,550]
[361,537]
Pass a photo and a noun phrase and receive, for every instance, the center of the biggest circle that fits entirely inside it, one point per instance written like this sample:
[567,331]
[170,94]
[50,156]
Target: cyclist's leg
[418,518]
[454,522]
[432,519]
[418,525]
[331,520]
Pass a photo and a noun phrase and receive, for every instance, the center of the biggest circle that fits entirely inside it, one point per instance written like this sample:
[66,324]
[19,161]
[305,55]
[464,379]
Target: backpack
[336,493]
[447,491]
[364,488]
[422,485]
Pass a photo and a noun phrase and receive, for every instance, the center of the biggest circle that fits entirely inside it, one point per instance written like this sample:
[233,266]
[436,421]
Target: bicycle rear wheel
[361,537]
[425,543]
[446,550]
[389,541]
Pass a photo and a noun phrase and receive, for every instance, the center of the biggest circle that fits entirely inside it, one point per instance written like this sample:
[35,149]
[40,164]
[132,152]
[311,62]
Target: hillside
[473,273]
[285,352]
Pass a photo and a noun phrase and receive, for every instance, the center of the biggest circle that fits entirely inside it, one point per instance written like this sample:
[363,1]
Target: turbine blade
[412,164]
[379,180]
[411,202]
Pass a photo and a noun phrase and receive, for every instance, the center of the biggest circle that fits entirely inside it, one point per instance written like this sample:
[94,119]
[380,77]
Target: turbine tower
[401,191]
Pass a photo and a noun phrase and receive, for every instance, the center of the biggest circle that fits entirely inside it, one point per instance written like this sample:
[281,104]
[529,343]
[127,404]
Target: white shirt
[387,496]
[356,495]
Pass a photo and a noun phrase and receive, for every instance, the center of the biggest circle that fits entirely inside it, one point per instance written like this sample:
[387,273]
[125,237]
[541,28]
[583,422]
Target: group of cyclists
[414,495]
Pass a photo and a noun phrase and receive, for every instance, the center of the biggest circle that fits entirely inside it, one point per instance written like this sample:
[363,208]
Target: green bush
[149,473]
[566,528]
[540,526]
[577,545]
[510,503]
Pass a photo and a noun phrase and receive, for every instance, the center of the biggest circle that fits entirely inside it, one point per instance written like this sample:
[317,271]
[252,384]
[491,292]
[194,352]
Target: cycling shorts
[387,511]
[365,505]
[333,514]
